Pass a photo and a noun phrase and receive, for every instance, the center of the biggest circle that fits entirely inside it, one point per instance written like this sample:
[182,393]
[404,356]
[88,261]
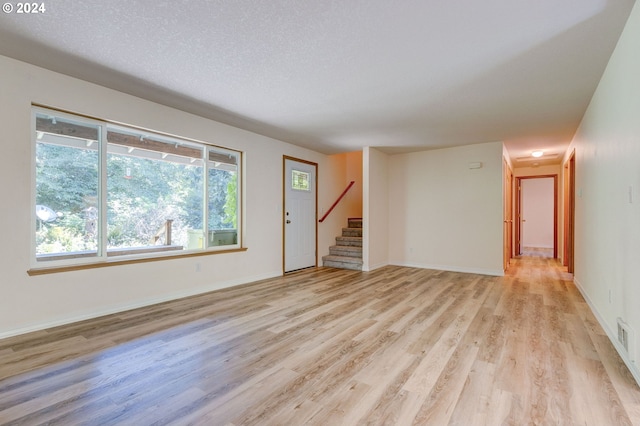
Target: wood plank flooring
[397,346]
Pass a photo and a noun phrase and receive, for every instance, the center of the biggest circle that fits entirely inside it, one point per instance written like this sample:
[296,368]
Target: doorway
[569,179]
[299,215]
[537,213]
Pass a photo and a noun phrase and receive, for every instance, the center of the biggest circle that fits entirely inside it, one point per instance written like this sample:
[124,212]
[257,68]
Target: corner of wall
[375,209]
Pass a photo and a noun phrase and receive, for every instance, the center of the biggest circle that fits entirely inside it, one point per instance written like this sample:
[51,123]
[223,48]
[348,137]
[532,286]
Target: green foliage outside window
[231,202]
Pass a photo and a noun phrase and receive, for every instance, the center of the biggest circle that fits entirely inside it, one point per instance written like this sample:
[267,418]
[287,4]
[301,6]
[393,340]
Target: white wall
[354,173]
[349,169]
[444,215]
[538,212]
[607,145]
[506,156]
[28,303]
[333,177]
[376,209]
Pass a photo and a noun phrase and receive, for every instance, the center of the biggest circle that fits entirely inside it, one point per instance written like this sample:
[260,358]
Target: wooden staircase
[347,253]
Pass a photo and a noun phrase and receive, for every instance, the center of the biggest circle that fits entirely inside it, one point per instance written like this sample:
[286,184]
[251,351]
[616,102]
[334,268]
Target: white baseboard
[138,304]
[374,267]
[481,271]
[613,337]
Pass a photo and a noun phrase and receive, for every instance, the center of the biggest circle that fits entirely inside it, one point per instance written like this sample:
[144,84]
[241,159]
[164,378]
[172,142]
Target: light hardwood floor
[397,346]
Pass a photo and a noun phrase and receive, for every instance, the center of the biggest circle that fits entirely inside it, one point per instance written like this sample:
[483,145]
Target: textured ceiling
[335,76]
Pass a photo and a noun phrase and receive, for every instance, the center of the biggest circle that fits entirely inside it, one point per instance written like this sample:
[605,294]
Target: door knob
[288,221]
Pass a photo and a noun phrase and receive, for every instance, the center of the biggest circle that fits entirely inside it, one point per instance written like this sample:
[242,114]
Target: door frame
[569,180]
[519,211]
[508,214]
[284,206]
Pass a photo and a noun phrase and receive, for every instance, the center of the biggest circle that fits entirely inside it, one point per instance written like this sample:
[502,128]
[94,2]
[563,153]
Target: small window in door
[300,180]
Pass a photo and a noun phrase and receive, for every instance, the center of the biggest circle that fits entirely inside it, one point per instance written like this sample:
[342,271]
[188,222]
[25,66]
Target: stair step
[342,262]
[355,222]
[352,232]
[349,251]
[349,241]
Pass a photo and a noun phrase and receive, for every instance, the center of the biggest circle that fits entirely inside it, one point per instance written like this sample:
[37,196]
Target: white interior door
[299,215]
[538,213]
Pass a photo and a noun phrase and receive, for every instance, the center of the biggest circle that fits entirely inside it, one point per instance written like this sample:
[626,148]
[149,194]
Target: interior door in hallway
[299,214]
[538,212]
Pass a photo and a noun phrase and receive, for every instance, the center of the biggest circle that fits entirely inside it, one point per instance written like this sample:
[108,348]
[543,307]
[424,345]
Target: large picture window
[104,190]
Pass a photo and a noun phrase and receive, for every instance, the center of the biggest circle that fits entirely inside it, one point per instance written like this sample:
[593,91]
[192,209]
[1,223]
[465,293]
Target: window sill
[117,262]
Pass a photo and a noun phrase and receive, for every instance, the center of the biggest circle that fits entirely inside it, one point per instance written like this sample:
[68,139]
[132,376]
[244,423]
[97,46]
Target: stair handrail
[337,201]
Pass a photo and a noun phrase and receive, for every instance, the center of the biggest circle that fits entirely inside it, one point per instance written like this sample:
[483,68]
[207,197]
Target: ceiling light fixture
[537,154]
